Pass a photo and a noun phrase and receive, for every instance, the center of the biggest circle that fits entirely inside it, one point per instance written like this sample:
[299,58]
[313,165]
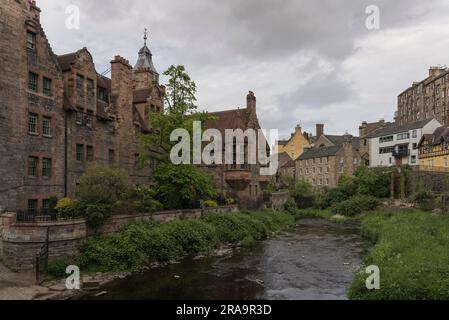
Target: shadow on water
[315,260]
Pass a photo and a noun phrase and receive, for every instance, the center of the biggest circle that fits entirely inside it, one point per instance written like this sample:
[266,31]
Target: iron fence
[43,215]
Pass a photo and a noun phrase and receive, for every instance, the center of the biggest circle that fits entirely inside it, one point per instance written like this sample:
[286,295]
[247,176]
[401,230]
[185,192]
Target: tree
[180,113]
[182,186]
[178,186]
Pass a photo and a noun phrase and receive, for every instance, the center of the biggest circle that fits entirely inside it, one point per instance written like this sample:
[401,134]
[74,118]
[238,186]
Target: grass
[412,253]
[143,243]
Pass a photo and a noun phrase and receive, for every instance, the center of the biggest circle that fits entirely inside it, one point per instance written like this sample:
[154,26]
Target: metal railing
[401,153]
[432,169]
[42,215]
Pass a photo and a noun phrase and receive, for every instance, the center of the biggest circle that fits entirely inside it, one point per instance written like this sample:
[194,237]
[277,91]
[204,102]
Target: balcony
[399,153]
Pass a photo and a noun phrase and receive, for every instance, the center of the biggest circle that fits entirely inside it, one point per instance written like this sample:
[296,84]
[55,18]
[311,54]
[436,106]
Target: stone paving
[18,286]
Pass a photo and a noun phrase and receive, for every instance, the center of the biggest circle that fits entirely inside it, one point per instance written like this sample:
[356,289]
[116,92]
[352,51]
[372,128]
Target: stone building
[426,99]
[57,113]
[295,146]
[331,157]
[243,182]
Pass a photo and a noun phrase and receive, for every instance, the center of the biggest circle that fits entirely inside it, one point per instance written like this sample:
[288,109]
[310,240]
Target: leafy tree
[373,181]
[180,113]
[182,186]
[303,195]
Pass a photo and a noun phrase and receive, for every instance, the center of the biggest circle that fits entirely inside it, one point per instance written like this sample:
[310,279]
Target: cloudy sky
[308,61]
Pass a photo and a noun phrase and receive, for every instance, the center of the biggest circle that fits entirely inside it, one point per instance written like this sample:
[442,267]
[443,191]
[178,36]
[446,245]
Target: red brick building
[57,113]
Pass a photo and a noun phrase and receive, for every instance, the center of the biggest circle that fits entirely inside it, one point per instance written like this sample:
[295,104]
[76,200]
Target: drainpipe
[65,153]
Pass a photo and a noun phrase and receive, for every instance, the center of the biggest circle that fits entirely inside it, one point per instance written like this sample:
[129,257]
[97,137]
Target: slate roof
[65,61]
[329,151]
[229,119]
[393,128]
[439,135]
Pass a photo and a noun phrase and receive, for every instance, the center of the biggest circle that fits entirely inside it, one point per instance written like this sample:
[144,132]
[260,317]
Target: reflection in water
[316,260]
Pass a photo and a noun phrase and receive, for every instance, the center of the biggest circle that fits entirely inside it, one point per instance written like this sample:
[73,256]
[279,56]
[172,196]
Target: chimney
[298,129]
[436,71]
[251,103]
[319,130]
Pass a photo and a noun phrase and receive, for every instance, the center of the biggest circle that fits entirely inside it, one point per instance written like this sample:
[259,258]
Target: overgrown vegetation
[140,244]
[412,253]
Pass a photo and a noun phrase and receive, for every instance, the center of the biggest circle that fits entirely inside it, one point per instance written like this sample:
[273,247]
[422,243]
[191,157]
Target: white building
[397,145]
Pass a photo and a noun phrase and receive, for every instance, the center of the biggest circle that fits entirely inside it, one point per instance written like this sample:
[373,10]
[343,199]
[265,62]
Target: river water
[315,260]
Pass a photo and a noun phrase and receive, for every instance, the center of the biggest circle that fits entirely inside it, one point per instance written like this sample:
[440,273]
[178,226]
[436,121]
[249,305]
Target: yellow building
[434,149]
[295,146]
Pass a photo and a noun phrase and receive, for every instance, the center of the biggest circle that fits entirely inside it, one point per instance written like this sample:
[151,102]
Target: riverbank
[410,247]
[144,246]
[313,260]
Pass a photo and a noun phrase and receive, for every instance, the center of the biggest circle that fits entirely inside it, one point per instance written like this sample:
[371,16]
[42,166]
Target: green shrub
[210,204]
[303,195]
[230,201]
[142,199]
[332,197]
[96,214]
[356,205]
[424,200]
[194,236]
[67,208]
[102,184]
[57,268]
[248,242]
[290,206]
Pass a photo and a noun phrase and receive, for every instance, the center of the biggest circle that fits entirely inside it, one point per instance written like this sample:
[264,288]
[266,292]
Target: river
[315,260]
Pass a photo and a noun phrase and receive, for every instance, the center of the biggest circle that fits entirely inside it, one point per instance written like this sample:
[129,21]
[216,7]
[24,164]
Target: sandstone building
[331,157]
[242,182]
[426,99]
[57,113]
[295,146]
[434,150]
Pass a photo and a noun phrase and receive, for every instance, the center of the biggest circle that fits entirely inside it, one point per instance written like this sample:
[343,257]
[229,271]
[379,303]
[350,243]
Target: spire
[145,60]
[145,37]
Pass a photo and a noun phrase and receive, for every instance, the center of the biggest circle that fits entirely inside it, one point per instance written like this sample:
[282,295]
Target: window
[32,166]
[79,83]
[103,94]
[79,118]
[46,204]
[415,146]
[385,139]
[32,123]
[386,150]
[31,40]
[415,134]
[89,118]
[46,168]
[111,157]
[47,87]
[403,136]
[413,159]
[32,206]
[32,81]
[46,127]
[79,152]
[90,94]
[90,153]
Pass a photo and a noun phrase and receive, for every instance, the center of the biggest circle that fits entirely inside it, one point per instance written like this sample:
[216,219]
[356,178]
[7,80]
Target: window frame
[33,85]
[47,91]
[45,128]
[33,170]
[36,124]
[33,41]
[46,168]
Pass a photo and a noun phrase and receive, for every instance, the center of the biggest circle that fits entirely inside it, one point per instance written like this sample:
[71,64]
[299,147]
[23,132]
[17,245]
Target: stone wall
[278,199]
[20,242]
